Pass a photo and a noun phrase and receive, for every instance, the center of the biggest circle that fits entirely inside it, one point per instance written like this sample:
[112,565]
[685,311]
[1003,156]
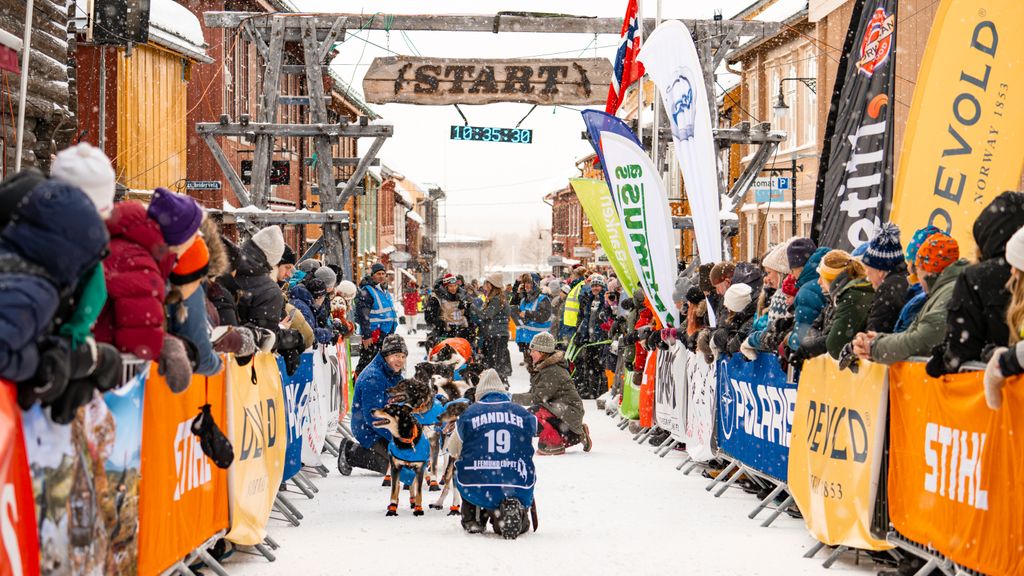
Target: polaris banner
[855,175]
[755,413]
[699,429]
[296,400]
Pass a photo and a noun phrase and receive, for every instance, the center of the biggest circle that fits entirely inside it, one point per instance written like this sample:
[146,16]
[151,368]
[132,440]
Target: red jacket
[645,318]
[136,271]
[410,302]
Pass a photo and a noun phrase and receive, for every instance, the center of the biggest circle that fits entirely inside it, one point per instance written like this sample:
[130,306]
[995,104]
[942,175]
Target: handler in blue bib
[494,471]
[533,317]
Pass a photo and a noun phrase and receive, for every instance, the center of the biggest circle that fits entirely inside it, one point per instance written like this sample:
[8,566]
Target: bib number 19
[499,441]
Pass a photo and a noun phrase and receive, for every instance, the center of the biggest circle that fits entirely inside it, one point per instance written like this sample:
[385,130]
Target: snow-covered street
[619,509]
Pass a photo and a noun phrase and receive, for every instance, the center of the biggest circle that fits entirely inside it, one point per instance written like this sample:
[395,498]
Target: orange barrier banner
[647,389]
[183,495]
[19,553]
[257,424]
[836,450]
[956,468]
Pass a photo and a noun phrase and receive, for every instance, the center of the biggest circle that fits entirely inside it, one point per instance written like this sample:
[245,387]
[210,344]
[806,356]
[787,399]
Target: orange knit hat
[936,253]
[192,265]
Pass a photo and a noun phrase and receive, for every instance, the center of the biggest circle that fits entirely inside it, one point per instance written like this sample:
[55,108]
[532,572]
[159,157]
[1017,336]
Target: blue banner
[755,413]
[598,122]
[295,389]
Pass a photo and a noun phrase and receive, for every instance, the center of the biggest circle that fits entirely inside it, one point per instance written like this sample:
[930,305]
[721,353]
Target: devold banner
[596,200]
[955,468]
[963,144]
[642,203]
[256,415]
[413,80]
[836,453]
[855,174]
[755,413]
[183,495]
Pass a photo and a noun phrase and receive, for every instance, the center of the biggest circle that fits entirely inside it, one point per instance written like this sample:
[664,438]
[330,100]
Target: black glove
[849,360]
[292,360]
[51,377]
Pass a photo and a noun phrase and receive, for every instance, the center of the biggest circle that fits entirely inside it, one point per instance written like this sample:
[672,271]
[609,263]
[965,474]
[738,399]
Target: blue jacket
[300,297]
[810,300]
[57,228]
[196,329]
[916,297]
[758,330]
[496,461]
[420,452]
[371,394]
[429,418]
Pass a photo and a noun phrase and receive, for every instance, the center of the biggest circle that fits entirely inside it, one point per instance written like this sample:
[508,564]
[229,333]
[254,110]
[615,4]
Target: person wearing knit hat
[554,399]
[85,166]
[310,265]
[936,253]
[449,280]
[186,306]
[721,276]
[598,280]
[789,286]
[495,279]
[738,297]
[799,252]
[192,265]
[915,244]
[286,267]
[776,265]
[330,279]
[393,344]
[270,241]
[178,216]
[377,267]
[883,261]
[842,277]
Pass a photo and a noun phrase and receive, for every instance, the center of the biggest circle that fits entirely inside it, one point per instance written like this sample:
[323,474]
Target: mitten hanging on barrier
[214,443]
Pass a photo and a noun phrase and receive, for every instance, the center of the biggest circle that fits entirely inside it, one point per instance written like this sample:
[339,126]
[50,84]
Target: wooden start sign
[440,81]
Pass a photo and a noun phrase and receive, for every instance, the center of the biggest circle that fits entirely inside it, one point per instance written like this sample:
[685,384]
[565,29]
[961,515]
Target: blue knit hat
[919,237]
[859,251]
[884,251]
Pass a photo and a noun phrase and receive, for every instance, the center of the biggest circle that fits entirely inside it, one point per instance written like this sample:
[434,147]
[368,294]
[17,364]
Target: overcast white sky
[493,189]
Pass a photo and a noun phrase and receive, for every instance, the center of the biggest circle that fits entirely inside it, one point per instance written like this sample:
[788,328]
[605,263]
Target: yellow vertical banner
[963,144]
[836,450]
[256,420]
[596,200]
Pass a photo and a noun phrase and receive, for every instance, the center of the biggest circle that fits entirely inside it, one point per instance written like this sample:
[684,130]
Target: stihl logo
[190,463]
[955,464]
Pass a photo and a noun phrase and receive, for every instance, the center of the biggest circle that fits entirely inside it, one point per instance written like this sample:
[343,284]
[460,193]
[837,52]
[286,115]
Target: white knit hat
[489,383]
[347,289]
[495,279]
[271,241]
[777,260]
[1015,250]
[738,297]
[543,342]
[328,276]
[85,166]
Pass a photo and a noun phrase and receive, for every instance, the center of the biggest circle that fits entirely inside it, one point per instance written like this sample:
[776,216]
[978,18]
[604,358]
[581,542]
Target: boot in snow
[508,520]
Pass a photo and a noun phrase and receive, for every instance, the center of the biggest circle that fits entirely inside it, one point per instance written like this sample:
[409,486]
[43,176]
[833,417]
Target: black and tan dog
[420,397]
[406,452]
[447,420]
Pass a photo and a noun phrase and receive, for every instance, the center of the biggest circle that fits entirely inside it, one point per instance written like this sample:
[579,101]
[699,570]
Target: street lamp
[780,107]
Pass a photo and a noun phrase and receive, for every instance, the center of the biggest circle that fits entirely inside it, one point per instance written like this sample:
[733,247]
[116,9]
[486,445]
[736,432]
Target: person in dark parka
[887,273]
[304,296]
[976,323]
[494,328]
[810,300]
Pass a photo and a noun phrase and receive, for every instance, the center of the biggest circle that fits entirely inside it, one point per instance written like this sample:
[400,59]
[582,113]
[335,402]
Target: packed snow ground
[616,510]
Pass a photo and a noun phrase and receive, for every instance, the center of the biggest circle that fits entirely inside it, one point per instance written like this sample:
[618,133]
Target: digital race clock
[480,134]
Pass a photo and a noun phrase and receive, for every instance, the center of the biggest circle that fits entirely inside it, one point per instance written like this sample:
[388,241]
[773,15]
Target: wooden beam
[557,24]
[268,217]
[268,113]
[229,171]
[286,130]
[360,172]
[300,69]
[345,162]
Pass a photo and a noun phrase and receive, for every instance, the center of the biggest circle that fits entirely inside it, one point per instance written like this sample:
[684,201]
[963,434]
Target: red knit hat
[192,265]
[789,286]
[936,253]
[448,279]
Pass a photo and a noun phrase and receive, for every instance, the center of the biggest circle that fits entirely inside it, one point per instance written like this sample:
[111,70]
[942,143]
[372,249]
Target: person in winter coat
[501,495]
[810,300]
[939,267]
[411,306]
[851,296]
[448,311]
[53,238]
[737,322]
[1006,362]
[533,315]
[916,295]
[494,328]
[883,263]
[595,320]
[977,314]
[557,295]
[554,400]
[186,306]
[307,297]
[375,314]
[370,450]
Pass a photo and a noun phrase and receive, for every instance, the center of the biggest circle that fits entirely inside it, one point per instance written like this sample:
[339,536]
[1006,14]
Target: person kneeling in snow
[494,472]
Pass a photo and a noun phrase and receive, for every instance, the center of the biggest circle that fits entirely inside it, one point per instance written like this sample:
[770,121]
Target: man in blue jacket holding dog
[494,471]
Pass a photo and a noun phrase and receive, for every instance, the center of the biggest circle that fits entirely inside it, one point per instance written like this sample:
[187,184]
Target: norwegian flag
[627,69]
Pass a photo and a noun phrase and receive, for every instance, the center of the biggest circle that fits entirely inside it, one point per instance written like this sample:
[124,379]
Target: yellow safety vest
[571,316]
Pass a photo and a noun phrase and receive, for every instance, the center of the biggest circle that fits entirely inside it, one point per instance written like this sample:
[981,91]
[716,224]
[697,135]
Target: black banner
[855,176]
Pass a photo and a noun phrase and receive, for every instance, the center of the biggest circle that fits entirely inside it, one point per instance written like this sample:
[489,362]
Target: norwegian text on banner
[596,200]
[963,144]
[836,453]
[955,467]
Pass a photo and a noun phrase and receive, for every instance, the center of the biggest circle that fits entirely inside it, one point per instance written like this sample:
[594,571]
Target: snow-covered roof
[460,239]
[351,95]
[174,26]
[781,11]
[403,196]
[414,216]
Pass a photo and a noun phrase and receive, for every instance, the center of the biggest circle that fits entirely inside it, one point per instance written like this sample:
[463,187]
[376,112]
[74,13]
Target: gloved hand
[264,339]
[849,360]
[614,347]
[174,364]
[748,351]
[994,380]
[51,377]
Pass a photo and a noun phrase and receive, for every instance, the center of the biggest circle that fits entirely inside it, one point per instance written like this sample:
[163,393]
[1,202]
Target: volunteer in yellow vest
[571,313]
[533,316]
[448,311]
[375,314]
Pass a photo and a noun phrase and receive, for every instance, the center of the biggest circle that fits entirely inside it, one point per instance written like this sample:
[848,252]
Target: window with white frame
[796,108]
[810,102]
[751,238]
[753,92]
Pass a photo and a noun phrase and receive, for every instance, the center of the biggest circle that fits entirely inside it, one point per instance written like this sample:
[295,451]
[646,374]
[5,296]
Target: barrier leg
[308,482]
[643,436]
[735,476]
[834,556]
[661,446]
[685,461]
[639,433]
[672,446]
[211,563]
[265,552]
[778,511]
[302,487]
[930,565]
[285,508]
[271,542]
[764,503]
[624,424]
[330,448]
[722,475]
[691,467]
[814,549]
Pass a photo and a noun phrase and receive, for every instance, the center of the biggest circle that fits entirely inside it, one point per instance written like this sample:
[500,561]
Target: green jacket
[92,296]
[928,329]
[853,304]
[551,387]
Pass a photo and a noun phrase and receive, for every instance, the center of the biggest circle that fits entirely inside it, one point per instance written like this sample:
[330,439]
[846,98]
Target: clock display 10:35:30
[481,134]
